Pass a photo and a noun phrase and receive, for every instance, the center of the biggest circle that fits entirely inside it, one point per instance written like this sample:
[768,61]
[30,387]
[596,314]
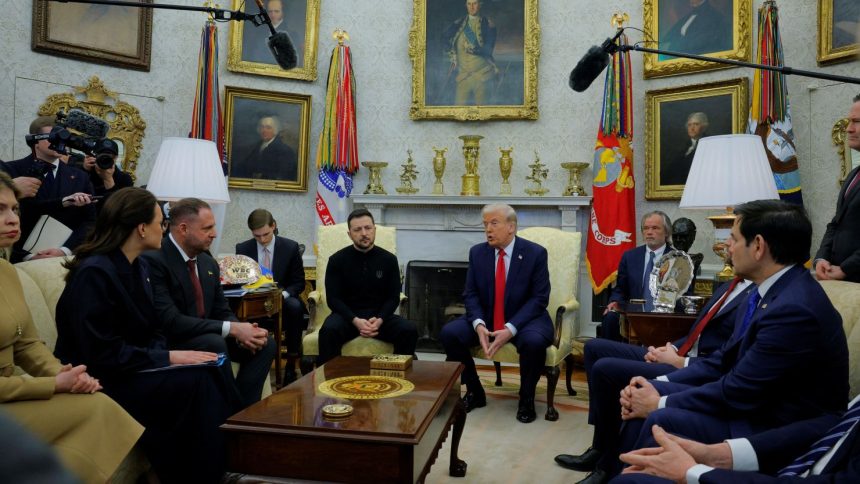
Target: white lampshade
[188,167]
[728,170]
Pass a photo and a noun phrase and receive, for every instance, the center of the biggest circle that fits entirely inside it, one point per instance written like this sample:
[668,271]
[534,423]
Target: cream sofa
[845,297]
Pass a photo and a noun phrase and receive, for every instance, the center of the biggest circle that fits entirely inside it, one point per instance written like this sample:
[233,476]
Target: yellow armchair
[563,250]
[330,239]
[844,296]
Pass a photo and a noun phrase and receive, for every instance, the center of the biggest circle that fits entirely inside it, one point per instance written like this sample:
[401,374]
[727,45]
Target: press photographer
[105,176]
[57,197]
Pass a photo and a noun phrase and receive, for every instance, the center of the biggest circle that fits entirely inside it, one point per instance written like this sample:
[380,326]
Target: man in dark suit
[190,303]
[506,294]
[283,257]
[271,158]
[633,271]
[783,454]
[609,366]
[839,254]
[702,30]
[790,335]
[61,192]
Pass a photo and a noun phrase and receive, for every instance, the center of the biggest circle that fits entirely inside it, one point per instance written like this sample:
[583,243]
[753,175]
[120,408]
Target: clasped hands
[75,380]
[638,399]
[675,456]
[249,335]
[492,341]
[367,328]
[825,271]
[665,354]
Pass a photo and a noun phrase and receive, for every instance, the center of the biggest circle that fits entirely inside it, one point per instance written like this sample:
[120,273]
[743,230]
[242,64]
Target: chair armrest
[560,315]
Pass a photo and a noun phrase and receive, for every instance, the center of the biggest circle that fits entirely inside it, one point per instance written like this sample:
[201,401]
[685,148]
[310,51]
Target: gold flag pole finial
[340,35]
[619,19]
[211,4]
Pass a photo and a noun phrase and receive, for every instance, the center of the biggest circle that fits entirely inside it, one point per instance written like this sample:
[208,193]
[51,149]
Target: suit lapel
[206,274]
[638,272]
[179,268]
[489,257]
[842,201]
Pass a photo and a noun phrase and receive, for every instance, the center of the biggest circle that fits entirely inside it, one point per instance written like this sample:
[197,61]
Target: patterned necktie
[499,299]
[752,303]
[851,185]
[646,292]
[823,445]
[694,336]
[267,258]
[195,285]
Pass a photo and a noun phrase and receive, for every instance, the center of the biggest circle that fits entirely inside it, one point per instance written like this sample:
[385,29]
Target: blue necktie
[646,292]
[752,303]
[823,445]
[48,179]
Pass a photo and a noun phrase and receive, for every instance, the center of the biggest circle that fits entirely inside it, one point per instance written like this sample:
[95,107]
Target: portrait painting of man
[682,124]
[287,16]
[695,26]
[846,22]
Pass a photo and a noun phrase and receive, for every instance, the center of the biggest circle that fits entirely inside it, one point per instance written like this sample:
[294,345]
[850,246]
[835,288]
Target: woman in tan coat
[60,403]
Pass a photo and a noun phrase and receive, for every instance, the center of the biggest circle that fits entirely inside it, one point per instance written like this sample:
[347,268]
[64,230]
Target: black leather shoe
[598,476]
[473,400]
[526,412]
[585,462]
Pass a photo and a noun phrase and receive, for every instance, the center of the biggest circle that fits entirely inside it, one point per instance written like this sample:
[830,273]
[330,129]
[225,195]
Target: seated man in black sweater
[362,284]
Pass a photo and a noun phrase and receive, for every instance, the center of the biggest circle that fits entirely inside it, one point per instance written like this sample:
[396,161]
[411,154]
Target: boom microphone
[592,64]
[279,42]
[86,123]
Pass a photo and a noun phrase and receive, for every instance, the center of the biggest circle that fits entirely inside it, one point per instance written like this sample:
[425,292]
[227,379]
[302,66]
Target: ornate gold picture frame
[480,72]
[675,117]
[716,28]
[849,158]
[837,30]
[267,139]
[112,35]
[249,52]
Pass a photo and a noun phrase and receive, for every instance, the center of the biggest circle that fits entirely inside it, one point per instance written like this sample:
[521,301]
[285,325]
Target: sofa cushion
[41,307]
[845,297]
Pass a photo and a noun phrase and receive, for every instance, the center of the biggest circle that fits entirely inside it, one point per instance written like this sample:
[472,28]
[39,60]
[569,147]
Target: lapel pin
[210,273]
[764,305]
[520,257]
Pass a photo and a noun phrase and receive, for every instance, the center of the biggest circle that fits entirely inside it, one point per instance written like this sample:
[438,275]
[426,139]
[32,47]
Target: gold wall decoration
[249,53]
[127,127]
[837,32]
[725,28]
[849,159]
[502,82]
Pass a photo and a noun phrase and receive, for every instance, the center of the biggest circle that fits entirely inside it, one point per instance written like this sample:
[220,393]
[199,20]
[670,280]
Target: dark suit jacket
[287,267]
[710,31]
[526,290]
[488,37]
[628,282]
[721,326]
[841,243]
[67,181]
[277,162]
[174,296]
[795,340]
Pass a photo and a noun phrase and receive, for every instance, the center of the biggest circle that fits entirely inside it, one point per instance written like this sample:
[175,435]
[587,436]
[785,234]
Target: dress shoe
[526,412]
[472,400]
[585,462]
[598,476]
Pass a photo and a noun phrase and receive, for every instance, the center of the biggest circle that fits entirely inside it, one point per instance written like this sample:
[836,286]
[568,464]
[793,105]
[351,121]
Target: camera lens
[104,161]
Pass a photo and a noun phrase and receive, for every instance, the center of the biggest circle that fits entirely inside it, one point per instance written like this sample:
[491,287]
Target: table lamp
[727,170]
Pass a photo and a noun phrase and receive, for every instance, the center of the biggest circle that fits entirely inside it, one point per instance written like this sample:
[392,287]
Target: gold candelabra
[374,183]
[574,181]
[472,153]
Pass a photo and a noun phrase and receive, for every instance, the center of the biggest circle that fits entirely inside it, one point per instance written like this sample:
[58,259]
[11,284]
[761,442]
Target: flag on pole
[206,121]
[770,111]
[337,153]
[612,227]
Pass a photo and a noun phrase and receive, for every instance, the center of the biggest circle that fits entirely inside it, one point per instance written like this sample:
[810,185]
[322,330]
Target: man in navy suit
[512,271]
[790,337]
[609,366]
[630,282]
[283,257]
[839,254]
[52,188]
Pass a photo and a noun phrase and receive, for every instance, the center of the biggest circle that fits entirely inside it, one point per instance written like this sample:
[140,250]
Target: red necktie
[694,336]
[499,300]
[195,284]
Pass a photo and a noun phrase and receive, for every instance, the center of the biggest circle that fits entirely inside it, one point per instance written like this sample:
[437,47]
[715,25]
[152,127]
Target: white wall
[379,30]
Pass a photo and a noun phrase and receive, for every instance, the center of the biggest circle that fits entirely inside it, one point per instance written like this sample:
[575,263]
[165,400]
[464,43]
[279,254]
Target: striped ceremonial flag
[612,227]
[206,121]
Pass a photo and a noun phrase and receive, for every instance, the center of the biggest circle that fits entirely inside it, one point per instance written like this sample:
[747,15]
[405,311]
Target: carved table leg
[457,467]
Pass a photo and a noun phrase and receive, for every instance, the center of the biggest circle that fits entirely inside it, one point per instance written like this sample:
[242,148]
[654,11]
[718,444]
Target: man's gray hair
[510,213]
[275,121]
[667,223]
[701,117]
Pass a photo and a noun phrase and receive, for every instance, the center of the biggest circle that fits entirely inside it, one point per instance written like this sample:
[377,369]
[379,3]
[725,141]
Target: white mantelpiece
[443,227]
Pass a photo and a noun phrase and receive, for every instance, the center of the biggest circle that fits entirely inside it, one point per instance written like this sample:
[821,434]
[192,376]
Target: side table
[262,305]
[656,329]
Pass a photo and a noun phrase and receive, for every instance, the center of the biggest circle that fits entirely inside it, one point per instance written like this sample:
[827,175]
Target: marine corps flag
[612,228]
[770,112]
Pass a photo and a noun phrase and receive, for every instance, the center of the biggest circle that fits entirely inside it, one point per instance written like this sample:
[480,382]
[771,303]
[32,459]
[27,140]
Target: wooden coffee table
[385,440]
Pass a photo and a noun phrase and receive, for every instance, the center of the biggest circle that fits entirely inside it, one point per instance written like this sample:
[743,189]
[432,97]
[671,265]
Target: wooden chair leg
[552,373]
[498,373]
[568,372]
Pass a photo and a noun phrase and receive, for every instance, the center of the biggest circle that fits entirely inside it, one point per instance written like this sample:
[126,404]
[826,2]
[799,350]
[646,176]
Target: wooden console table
[260,305]
[656,329]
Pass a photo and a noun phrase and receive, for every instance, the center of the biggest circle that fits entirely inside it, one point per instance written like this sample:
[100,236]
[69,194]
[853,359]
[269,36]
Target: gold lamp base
[722,228]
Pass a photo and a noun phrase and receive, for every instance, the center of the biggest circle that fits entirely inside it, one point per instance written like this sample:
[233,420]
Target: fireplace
[435,292]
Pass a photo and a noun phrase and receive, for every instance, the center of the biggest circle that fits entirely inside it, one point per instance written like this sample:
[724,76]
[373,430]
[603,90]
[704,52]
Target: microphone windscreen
[87,124]
[588,68]
[283,50]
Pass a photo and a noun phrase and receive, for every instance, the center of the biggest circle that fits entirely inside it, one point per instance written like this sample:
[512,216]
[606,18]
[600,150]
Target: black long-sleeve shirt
[363,284]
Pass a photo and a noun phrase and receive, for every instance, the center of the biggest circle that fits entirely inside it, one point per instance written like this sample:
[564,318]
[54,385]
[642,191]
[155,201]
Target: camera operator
[105,176]
[50,188]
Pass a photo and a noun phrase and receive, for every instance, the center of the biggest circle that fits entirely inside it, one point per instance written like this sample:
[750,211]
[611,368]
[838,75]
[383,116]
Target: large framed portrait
[713,28]
[675,120]
[249,49]
[104,34]
[474,60]
[838,30]
[267,139]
